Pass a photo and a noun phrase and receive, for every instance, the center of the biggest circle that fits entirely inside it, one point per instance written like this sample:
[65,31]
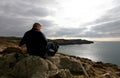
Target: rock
[8,61]
[106,75]
[118,73]
[11,50]
[63,73]
[3,77]
[71,64]
[29,67]
[12,55]
[12,58]
[99,65]
[71,41]
[36,67]
[51,65]
[65,62]
[4,67]
[15,64]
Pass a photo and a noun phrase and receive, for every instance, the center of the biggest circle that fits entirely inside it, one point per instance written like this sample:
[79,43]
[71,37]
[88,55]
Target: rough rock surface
[14,64]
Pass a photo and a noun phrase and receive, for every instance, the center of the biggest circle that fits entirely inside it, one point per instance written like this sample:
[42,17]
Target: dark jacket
[35,41]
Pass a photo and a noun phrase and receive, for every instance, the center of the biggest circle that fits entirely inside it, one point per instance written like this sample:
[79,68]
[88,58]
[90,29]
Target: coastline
[71,41]
[99,51]
[61,65]
[58,66]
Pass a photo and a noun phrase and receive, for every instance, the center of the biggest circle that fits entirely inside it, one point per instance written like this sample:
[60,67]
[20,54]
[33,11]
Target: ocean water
[108,52]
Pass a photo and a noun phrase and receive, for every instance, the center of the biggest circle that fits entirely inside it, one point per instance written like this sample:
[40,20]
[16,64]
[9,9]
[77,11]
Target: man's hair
[36,24]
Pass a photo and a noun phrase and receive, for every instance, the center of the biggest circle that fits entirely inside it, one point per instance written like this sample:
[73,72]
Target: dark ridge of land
[59,41]
[71,41]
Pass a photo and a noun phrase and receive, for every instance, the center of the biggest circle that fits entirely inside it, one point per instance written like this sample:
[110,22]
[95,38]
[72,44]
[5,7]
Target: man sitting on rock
[35,41]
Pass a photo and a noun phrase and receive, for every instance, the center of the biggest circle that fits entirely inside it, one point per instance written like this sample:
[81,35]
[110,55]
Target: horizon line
[83,38]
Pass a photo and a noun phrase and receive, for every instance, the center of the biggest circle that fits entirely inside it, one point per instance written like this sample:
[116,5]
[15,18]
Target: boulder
[30,67]
[4,68]
[37,67]
[4,77]
[11,50]
[15,64]
[65,62]
[62,73]
[11,56]
[72,64]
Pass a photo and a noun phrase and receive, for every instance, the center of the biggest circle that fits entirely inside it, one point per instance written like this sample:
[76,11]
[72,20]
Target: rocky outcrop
[13,41]
[71,41]
[15,64]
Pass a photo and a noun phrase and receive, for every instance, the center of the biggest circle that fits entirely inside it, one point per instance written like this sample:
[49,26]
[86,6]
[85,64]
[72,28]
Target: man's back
[35,42]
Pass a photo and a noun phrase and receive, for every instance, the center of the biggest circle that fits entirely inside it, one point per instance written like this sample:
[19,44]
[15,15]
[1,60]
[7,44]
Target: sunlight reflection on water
[99,51]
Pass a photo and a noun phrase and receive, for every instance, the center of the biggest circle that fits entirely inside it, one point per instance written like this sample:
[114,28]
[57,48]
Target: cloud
[109,29]
[23,9]
[106,26]
[69,32]
[13,26]
[18,26]
[16,17]
[112,14]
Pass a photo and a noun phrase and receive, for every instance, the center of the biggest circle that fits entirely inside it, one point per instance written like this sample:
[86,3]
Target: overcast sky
[90,19]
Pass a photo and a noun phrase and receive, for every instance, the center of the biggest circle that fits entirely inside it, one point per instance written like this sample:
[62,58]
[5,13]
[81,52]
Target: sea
[105,51]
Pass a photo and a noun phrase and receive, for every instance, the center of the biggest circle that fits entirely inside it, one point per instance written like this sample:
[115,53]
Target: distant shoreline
[59,41]
[71,41]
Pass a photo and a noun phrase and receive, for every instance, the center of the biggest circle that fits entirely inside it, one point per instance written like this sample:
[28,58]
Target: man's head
[37,26]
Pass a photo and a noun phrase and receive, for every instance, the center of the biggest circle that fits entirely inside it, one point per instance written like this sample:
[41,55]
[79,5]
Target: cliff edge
[15,64]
